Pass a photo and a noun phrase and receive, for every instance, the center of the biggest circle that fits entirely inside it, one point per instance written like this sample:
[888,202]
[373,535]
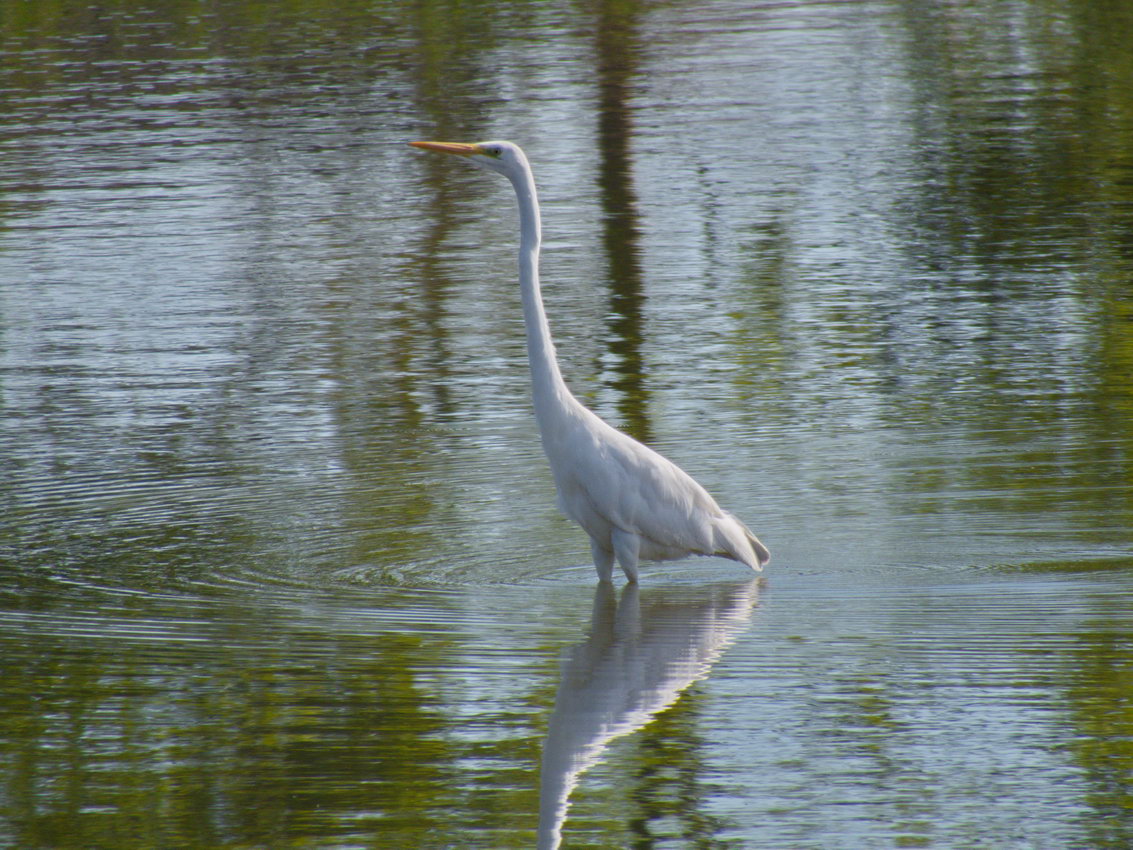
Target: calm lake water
[280,564]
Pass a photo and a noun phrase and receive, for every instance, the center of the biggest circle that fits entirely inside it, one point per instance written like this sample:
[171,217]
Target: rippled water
[279,559]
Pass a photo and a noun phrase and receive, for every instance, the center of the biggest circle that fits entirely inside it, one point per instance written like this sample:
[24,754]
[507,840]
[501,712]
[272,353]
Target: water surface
[281,565]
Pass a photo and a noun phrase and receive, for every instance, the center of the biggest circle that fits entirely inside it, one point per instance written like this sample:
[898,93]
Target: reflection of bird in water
[640,656]
[632,502]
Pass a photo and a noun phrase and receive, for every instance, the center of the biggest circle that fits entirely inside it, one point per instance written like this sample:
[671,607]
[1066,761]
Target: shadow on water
[642,652]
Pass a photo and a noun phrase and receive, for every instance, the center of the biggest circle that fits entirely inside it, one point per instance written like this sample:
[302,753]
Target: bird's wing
[611,479]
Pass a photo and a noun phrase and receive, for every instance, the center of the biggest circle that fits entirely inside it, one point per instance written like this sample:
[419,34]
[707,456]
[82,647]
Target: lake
[280,562]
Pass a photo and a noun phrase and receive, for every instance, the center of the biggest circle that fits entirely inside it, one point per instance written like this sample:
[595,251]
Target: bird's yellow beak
[458,148]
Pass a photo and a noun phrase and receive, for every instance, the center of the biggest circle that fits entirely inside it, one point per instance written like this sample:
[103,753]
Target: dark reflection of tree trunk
[617,59]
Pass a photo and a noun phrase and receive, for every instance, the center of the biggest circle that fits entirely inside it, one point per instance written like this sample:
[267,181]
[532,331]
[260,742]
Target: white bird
[634,503]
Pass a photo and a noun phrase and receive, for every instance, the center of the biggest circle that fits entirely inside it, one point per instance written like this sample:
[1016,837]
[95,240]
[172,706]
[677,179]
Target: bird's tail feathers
[735,540]
[762,553]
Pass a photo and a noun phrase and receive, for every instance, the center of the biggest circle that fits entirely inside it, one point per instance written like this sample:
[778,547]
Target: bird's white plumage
[634,503]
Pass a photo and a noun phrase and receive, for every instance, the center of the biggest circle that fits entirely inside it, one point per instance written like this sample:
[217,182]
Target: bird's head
[502,157]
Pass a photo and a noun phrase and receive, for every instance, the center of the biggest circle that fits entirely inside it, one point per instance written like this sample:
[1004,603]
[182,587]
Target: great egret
[633,503]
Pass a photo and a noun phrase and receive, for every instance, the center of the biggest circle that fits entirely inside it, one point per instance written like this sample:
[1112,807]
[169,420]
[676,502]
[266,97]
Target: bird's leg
[626,547]
[603,561]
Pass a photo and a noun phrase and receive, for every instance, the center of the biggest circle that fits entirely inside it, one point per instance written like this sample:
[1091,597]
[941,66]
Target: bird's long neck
[548,389]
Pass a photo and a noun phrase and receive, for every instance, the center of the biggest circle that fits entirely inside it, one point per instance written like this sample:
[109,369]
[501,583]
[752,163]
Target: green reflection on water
[1100,704]
[220,735]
